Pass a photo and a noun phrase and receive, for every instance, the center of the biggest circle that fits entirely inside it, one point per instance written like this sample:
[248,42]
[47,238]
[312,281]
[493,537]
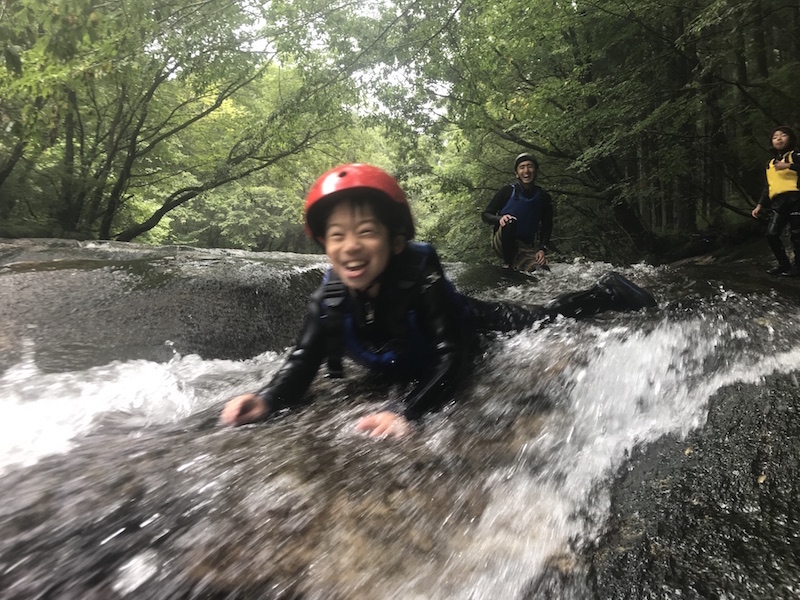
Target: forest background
[203,122]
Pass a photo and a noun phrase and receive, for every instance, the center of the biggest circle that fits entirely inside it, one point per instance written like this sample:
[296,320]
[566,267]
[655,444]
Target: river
[118,482]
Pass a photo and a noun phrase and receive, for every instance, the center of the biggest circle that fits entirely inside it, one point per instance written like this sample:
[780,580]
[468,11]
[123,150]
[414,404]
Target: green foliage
[640,119]
[205,122]
[144,106]
[264,210]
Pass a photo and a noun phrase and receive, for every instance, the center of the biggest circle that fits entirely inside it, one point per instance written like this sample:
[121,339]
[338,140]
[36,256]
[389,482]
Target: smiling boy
[387,303]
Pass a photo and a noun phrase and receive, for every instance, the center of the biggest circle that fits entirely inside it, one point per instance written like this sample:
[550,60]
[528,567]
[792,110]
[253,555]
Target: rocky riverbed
[635,456]
[713,514]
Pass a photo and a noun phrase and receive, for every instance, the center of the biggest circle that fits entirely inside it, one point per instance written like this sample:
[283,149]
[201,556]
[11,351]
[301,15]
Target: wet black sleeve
[292,380]
[795,166]
[490,213]
[441,322]
[763,199]
[546,228]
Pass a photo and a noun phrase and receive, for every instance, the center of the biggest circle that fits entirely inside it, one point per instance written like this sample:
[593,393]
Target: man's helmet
[525,157]
[363,183]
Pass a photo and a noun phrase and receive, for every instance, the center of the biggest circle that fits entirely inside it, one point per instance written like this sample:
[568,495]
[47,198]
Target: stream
[118,482]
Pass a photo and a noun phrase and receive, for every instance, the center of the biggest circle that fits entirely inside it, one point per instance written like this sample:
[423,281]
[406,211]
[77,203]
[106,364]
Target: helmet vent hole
[342,173]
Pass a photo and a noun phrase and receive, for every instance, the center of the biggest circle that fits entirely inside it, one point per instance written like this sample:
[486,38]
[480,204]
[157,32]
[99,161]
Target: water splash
[618,388]
[45,413]
[491,491]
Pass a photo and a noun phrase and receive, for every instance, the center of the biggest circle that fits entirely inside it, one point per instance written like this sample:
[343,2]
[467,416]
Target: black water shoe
[793,272]
[779,270]
[625,295]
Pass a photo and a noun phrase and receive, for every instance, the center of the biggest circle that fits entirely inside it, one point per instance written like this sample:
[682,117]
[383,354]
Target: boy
[782,190]
[520,212]
[387,303]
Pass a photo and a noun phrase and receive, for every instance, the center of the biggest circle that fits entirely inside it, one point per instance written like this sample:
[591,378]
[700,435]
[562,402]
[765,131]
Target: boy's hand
[782,165]
[756,210]
[384,424]
[247,408]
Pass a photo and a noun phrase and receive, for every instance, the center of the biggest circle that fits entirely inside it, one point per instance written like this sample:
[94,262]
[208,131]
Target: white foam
[44,412]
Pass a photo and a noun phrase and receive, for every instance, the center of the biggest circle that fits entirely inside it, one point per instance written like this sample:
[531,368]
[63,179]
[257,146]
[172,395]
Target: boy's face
[780,140]
[358,245]
[526,172]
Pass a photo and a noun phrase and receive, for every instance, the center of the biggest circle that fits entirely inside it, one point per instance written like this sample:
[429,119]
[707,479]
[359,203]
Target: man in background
[522,215]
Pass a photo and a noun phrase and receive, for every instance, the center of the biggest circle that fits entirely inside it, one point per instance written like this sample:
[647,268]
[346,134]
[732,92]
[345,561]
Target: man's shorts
[524,259]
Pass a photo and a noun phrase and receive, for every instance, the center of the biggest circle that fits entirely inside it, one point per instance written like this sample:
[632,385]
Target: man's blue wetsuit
[418,329]
[517,243]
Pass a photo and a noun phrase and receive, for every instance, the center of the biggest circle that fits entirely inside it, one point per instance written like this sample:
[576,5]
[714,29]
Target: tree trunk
[8,166]
[794,31]
[643,240]
[740,58]
[68,213]
[759,42]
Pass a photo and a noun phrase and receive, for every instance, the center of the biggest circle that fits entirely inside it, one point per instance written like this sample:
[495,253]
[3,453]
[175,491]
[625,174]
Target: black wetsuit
[415,302]
[782,193]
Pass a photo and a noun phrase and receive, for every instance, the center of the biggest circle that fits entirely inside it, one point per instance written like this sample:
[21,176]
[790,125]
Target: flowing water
[118,482]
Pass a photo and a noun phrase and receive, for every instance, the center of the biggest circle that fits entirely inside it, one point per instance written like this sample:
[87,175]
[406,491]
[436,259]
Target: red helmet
[357,181]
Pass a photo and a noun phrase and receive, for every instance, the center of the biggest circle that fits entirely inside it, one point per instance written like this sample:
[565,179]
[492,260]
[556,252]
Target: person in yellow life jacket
[782,193]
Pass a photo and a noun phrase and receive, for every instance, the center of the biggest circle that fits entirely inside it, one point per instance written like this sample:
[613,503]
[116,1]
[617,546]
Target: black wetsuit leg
[504,316]
[508,242]
[777,222]
[794,227]
[611,292]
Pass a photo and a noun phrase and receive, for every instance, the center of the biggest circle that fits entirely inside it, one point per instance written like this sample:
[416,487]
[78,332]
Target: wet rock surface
[714,515]
[196,511]
[302,509]
[77,304]
[711,515]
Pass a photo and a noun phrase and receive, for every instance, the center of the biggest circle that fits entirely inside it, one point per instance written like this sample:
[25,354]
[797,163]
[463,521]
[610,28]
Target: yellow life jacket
[780,182]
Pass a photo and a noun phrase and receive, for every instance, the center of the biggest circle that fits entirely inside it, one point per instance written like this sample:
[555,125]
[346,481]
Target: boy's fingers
[245,407]
[365,423]
[378,432]
[229,414]
[242,410]
[383,425]
[374,425]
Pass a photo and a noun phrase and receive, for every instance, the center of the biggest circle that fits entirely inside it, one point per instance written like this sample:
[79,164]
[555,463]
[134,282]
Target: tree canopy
[204,122]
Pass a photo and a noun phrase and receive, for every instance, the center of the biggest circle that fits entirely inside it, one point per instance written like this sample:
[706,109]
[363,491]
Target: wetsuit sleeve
[546,227]
[290,383]
[490,213]
[795,166]
[763,199]
[440,320]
